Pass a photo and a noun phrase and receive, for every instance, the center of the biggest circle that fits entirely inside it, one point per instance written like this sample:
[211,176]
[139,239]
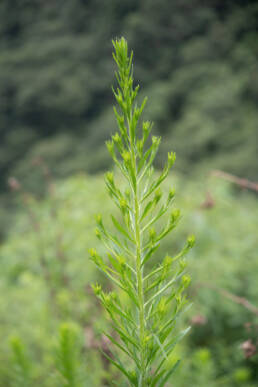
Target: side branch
[243,183]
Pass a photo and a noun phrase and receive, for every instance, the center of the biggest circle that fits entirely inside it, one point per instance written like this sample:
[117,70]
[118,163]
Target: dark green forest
[196,60]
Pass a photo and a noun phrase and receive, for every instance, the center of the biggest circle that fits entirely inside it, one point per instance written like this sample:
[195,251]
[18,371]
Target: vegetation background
[197,62]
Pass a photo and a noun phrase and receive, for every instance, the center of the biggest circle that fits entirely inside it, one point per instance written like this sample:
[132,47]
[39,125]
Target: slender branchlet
[144,324]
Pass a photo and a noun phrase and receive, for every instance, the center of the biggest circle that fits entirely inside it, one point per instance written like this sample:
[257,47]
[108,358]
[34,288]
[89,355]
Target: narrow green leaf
[169,373]
[121,228]
[119,366]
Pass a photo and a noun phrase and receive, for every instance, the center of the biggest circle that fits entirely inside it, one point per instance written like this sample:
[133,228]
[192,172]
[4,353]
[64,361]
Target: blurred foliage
[196,61]
[45,276]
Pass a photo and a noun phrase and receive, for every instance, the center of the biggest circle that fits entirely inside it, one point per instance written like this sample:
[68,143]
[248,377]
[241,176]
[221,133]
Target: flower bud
[167,261]
[182,264]
[110,147]
[126,156]
[152,234]
[119,99]
[110,177]
[171,158]
[99,219]
[146,339]
[118,141]
[93,253]
[158,195]
[128,194]
[116,138]
[191,241]
[97,289]
[156,141]
[186,280]
[175,215]
[96,258]
[121,260]
[146,126]
[107,299]
[162,305]
[123,205]
[133,377]
[171,194]
[97,233]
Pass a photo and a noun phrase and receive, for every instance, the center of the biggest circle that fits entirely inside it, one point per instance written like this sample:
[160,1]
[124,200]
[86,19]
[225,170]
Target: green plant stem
[139,274]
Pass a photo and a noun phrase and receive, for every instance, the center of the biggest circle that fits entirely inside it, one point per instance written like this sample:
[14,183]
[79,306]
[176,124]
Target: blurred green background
[197,63]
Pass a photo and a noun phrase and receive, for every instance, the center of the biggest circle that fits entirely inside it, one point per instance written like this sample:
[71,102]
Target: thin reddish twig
[243,183]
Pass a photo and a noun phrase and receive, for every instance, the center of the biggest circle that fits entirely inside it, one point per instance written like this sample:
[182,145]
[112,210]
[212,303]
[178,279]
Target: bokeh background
[197,63]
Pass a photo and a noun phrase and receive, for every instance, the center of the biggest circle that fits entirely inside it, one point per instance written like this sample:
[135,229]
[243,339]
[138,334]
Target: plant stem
[139,274]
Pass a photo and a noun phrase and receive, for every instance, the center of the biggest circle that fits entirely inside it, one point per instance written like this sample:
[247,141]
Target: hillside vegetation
[46,274]
[196,62]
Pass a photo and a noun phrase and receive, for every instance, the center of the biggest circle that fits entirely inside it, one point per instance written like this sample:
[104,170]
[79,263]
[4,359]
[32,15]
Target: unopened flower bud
[156,141]
[191,241]
[99,219]
[158,195]
[167,261]
[97,233]
[186,280]
[117,139]
[152,233]
[123,205]
[146,126]
[171,158]
[162,305]
[121,260]
[175,215]
[93,253]
[97,289]
[119,99]
[110,146]
[110,177]
[126,156]
[182,264]
[140,146]
[171,194]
